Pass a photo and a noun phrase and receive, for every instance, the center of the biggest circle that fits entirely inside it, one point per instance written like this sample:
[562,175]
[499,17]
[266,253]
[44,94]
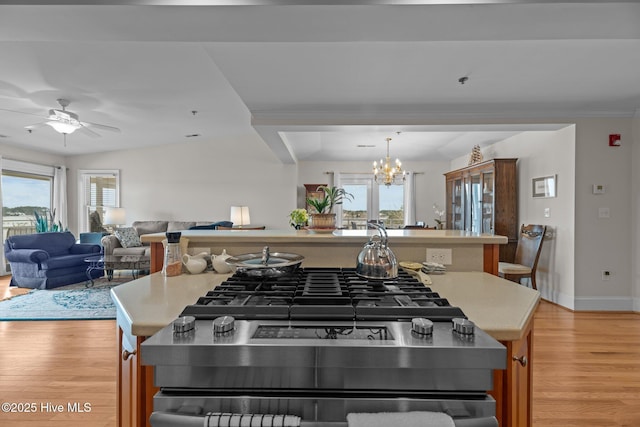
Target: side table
[135,263]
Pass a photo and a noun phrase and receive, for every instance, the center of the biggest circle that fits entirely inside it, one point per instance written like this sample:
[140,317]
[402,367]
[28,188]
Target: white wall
[15,153]
[603,244]
[197,181]
[599,243]
[430,187]
[543,154]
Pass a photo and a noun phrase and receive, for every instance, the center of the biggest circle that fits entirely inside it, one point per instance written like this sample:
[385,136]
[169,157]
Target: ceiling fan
[66,122]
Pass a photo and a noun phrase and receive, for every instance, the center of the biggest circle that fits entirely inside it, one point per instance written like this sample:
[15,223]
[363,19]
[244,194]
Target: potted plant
[298,218]
[440,213]
[44,225]
[323,217]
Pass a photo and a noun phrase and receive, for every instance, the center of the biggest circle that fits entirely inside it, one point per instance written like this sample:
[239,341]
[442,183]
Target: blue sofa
[48,260]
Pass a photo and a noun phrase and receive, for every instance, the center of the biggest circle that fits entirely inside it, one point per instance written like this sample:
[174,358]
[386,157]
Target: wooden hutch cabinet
[483,198]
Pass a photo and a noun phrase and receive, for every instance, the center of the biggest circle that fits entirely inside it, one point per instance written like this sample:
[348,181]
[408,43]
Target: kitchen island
[470,251]
[505,311]
[501,308]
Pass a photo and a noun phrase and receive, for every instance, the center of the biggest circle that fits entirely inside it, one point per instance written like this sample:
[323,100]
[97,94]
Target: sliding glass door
[26,189]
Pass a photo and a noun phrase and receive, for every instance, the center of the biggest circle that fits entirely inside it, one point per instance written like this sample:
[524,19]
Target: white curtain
[60,195]
[3,262]
[410,199]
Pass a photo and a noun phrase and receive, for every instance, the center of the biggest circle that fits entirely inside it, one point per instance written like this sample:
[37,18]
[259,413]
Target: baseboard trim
[606,304]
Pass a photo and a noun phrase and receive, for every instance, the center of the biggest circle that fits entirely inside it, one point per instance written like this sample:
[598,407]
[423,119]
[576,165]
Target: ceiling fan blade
[24,112]
[36,125]
[88,131]
[99,126]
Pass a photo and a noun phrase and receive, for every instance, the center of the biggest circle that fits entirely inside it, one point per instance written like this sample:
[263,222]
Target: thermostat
[598,189]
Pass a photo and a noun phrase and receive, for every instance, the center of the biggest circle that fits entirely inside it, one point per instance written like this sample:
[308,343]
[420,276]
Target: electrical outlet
[606,274]
[441,256]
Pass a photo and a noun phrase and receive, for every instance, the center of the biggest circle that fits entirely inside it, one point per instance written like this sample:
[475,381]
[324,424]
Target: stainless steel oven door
[188,408]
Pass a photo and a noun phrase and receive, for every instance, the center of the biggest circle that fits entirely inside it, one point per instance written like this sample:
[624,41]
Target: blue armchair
[48,260]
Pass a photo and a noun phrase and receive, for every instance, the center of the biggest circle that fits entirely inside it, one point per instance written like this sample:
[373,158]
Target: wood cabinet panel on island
[501,308]
[505,310]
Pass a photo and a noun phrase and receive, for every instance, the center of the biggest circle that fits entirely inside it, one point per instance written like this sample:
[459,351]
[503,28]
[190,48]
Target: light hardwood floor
[58,362]
[586,370]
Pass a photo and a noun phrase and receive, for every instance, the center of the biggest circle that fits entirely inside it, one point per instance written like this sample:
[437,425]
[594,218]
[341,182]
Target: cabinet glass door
[487,202]
[475,210]
[457,206]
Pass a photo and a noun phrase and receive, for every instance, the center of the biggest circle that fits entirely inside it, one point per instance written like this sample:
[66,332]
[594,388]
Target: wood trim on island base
[491,256]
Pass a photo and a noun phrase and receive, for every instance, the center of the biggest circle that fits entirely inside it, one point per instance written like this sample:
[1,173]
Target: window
[98,190]
[371,201]
[26,188]
[356,212]
[391,205]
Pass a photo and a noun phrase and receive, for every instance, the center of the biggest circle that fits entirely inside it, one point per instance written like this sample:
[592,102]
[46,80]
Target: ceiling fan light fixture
[61,127]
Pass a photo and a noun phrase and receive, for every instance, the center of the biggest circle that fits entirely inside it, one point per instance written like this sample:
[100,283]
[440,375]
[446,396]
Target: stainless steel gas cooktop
[323,293]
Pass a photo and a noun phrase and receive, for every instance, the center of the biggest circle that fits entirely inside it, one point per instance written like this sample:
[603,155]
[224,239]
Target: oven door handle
[171,419]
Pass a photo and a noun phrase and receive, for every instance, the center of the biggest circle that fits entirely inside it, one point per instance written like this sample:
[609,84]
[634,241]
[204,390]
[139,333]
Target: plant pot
[323,220]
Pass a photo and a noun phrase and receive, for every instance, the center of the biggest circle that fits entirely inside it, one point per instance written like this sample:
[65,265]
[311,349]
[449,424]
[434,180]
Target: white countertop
[338,236]
[148,304]
[499,307]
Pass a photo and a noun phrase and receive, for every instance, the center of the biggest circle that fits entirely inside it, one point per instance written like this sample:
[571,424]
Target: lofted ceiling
[312,79]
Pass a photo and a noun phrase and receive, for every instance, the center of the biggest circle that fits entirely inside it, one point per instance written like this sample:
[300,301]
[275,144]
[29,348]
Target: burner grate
[324,294]
[323,284]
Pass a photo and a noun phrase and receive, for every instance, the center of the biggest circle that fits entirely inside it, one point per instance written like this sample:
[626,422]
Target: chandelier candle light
[385,173]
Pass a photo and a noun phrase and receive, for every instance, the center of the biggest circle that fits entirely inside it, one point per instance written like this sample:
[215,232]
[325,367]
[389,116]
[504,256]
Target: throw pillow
[128,237]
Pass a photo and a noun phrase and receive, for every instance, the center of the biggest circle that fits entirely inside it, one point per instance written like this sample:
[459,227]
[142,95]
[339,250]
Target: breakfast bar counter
[470,251]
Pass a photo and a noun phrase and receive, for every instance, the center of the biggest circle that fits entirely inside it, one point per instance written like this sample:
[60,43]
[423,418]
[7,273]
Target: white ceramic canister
[195,264]
[219,264]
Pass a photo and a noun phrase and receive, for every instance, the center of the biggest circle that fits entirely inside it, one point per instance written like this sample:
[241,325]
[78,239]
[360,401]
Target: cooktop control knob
[223,324]
[463,326]
[184,324]
[422,326]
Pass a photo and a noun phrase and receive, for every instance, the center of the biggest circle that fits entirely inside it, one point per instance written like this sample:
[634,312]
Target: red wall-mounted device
[614,140]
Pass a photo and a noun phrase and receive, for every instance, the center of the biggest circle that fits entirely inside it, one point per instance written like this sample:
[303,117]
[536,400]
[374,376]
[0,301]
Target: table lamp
[114,217]
[240,216]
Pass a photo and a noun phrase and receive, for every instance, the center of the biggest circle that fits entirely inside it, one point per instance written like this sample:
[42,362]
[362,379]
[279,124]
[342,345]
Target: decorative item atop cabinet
[483,198]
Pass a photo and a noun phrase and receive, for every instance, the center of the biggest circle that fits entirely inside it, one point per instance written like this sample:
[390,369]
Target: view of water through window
[22,195]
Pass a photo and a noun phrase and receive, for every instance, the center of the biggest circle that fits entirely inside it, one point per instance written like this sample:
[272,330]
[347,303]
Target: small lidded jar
[172,255]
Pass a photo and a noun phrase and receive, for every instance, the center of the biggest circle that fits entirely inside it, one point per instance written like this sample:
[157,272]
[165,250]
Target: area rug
[73,302]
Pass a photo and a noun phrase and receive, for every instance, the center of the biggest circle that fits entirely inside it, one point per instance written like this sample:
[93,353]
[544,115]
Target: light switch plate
[603,212]
[547,212]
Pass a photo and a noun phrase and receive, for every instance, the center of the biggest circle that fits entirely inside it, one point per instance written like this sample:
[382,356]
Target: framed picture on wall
[544,186]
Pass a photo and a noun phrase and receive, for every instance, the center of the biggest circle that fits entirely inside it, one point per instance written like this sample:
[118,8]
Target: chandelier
[385,173]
